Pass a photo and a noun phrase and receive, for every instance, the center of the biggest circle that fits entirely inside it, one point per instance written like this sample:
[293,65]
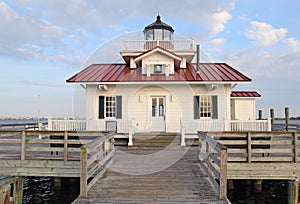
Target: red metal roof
[208,72]
[245,94]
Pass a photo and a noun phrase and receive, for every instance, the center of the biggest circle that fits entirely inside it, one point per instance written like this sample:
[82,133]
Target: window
[150,34]
[205,106]
[110,107]
[158,69]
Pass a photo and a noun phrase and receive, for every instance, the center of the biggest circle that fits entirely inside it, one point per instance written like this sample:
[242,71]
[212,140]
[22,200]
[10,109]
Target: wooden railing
[254,147]
[250,125]
[227,125]
[286,127]
[21,126]
[56,154]
[66,124]
[142,45]
[213,160]
[96,157]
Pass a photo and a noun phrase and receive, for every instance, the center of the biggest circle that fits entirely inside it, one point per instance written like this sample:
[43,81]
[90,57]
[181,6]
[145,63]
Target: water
[275,192]
[43,190]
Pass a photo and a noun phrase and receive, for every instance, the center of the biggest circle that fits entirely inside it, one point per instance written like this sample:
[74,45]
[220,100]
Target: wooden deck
[180,182]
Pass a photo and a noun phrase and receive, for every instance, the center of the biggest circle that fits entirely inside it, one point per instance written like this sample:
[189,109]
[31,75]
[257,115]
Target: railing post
[23,145]
[223,174]
[83,172]
[182,133]
[269,124]
[65,146]
[249,152]
[130,137]
[49,123]
[296,145]
[227,125]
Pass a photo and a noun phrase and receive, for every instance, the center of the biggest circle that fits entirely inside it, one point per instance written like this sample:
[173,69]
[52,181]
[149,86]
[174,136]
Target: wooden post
[4,193]
[23,145]
[223,174]
[18,190]
[272,115]
[66,146]
[249,146]
[287,118]
[296,144]
[293,190]
[258,186]
[259,114]
[83,172]
[49,123]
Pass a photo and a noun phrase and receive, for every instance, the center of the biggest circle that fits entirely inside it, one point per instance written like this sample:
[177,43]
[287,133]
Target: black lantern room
[158,31]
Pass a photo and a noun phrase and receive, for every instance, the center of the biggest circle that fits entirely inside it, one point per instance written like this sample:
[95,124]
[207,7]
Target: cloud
[294,44]
[63,30]
[264,34]
[216,44]
[220,19]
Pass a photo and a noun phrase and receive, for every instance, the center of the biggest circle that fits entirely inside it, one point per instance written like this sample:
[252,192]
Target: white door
[158,109]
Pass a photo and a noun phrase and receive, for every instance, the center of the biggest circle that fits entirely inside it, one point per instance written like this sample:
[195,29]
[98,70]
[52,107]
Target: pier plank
[181,182]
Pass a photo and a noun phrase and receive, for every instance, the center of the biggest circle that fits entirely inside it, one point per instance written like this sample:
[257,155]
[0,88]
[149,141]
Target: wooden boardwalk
[180,182]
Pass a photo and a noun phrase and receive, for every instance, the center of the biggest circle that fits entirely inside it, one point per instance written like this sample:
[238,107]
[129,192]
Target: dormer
[158,61]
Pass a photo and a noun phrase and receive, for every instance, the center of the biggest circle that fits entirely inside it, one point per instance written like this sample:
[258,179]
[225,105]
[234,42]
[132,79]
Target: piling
[259,114]
[272,115]
[258,186]
[57,183]
[287,118]
[18,190]
[293,191]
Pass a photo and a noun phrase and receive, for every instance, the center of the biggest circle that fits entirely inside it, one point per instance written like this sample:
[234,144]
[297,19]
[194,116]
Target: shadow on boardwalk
[136,177]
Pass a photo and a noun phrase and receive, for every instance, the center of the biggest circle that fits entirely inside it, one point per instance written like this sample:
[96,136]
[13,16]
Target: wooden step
[155,140]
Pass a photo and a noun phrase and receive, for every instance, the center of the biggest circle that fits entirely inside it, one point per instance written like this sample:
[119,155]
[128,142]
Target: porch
[187,130]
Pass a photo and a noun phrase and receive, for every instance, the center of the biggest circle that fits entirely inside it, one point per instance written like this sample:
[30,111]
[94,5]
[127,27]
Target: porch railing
[226,125]
[66,125]
[143,45]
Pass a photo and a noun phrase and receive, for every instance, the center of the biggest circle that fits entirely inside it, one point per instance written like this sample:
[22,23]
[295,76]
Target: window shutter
[196,107]
[119,107]
[214,100]
[101,107]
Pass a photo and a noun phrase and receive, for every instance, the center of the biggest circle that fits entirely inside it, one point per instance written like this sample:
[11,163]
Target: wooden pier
[182,182]
[200,174]
[253,156]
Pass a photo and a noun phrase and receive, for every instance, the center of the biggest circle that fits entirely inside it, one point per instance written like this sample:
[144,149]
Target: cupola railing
[144,45]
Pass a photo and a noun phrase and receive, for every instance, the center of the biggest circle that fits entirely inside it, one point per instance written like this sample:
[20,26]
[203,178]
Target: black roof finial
[158,18]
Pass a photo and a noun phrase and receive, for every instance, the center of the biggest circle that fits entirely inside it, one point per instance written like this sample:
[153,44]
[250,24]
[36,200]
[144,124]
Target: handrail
[95,158]
[22,126]
[28,145]
[284,127]
[213,157]
[261,147]
[142,45]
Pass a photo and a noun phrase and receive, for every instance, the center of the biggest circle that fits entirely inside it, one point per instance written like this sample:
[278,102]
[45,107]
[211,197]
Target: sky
[43,43]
